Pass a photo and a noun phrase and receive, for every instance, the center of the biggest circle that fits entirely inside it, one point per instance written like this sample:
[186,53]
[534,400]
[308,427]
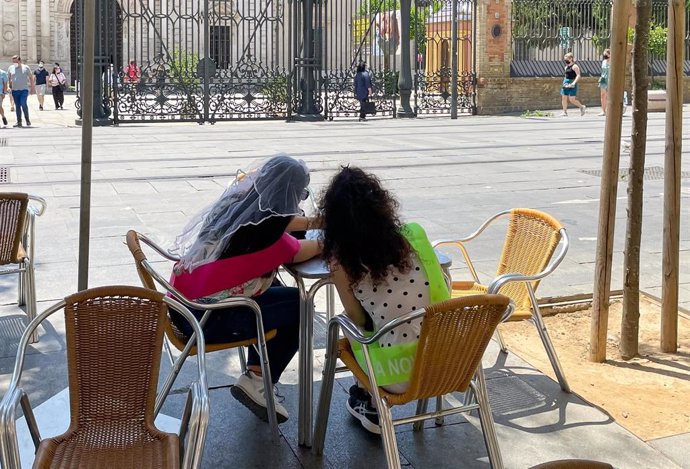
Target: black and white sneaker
[359,406]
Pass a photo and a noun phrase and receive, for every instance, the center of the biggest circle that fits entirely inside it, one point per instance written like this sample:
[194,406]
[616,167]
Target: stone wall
[508,95]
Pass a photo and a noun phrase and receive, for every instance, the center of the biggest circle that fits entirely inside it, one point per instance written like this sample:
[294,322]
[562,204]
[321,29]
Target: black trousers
[362,114]
[279,310]
[58,96]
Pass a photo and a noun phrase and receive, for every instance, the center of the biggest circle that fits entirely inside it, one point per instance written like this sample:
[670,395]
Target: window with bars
[220,46]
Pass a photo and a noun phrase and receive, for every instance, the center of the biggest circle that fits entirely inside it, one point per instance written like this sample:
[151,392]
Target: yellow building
[437,63]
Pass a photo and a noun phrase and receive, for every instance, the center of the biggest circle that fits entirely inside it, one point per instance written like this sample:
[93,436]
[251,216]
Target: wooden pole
[630,321]
[674,126]
[609,182]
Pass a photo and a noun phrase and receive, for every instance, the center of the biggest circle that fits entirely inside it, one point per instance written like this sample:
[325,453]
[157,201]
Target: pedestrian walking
[569,88]
[22,83]
[362,89]
[41,79]
[4,90]
[604,80]
[57,82]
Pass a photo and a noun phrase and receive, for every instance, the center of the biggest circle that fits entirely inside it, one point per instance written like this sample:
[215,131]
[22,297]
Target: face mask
[606,57]
[566,61]
[40,66]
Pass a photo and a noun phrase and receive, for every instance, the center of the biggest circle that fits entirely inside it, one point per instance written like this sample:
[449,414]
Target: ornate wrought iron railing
[544,30]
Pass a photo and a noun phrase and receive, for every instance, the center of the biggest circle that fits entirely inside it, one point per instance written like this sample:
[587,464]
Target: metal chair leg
[243,359]
[422,405]
[30,295]
[168,351]
[499,338]
[21,289]
[330,301]
[439,407]
[390,444]
[326,394]
[546,340]
[268,387]
[486,420]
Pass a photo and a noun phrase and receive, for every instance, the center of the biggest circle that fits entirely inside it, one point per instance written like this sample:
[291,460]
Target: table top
[316,268]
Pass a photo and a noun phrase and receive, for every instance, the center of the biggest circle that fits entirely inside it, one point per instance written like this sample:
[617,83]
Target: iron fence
[543,30]
[213,60]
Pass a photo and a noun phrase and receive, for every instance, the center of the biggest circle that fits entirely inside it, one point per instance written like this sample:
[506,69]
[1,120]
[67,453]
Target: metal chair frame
[26,285]
[478,391]
[194,421]
[500,281]
[209,308]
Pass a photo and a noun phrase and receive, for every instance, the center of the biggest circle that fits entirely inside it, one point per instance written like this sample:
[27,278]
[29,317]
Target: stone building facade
[36,30]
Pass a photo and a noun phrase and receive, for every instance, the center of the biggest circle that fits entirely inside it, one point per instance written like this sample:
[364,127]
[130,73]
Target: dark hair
[361,227]
[361,67]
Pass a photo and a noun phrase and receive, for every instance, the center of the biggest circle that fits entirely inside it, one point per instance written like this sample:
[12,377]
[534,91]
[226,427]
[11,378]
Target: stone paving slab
[450,175]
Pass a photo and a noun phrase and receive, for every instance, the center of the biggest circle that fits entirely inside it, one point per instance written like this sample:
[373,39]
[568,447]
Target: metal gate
[370,31]
[212,60]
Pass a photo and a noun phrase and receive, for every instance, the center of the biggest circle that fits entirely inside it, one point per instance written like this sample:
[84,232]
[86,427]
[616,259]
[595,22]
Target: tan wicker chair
[150,277]
[453,339]
[573,464]
[17,214]
[527,257]
[114,340]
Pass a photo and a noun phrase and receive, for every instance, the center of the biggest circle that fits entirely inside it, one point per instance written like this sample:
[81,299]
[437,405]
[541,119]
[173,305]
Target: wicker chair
[573,464]
[186,345]
[452,341]
[114,337]
[528,257]
[17,214]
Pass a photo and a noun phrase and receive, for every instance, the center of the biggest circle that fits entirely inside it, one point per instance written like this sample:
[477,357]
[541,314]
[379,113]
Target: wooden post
[609,182]
[630,321]
[674,125]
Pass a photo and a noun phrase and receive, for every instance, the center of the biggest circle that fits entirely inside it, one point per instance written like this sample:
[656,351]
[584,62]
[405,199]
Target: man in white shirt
[22,83]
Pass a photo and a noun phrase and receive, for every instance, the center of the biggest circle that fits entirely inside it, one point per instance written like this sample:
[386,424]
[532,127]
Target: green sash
[393,365]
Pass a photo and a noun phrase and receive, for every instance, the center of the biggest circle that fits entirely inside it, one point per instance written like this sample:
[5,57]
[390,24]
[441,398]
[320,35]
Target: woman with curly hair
[378,270]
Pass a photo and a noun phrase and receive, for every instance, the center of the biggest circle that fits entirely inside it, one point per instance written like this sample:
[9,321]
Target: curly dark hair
[361,227]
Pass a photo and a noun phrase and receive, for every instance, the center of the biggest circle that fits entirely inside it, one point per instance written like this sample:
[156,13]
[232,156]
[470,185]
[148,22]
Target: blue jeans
[20,104]
[279,310]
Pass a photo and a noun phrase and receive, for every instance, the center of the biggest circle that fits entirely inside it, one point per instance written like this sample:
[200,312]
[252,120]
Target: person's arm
[32,83]
[301,224]
[352,306]
[308,248]
[576,69]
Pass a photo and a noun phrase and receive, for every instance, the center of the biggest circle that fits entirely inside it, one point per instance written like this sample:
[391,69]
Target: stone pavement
[448,175]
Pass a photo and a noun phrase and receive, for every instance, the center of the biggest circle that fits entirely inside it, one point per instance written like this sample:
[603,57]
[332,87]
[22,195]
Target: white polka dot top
[399,294]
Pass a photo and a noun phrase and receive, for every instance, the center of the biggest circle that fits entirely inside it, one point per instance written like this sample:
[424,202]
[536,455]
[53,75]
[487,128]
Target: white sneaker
[601,114]
[583,110]
[249,390]
[563,114]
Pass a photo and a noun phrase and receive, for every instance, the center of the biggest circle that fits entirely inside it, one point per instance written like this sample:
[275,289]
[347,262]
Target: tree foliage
[419,13]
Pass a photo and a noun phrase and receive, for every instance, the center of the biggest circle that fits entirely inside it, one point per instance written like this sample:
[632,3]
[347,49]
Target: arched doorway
[106,37]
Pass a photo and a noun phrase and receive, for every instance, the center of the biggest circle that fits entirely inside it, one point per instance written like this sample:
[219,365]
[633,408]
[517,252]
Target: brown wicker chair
[453,339]
[527,257]
[17,214]
[114,340]
[573,464]
[150,277]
